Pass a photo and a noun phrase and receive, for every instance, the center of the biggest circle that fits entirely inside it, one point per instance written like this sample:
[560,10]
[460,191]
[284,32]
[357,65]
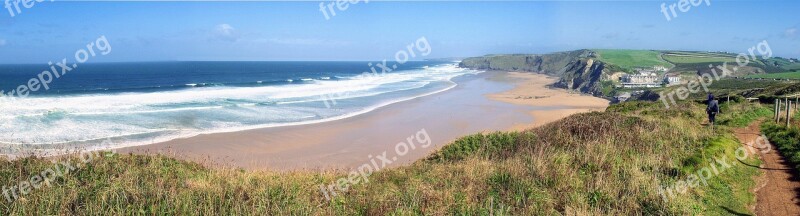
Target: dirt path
[778,189]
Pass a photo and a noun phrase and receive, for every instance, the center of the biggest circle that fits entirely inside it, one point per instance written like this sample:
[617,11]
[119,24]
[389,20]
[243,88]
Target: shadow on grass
[767,168]
[732,212]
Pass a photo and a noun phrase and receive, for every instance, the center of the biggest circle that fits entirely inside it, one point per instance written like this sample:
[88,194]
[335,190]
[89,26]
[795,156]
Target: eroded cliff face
[584,76]
[577,70]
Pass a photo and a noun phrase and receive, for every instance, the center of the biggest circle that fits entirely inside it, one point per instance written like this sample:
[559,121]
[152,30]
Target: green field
[631,58]
[783,63]
[787,75]
[681,57]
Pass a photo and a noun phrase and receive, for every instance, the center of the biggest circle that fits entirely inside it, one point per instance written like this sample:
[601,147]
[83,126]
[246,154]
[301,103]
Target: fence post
[777,110]
[788,110]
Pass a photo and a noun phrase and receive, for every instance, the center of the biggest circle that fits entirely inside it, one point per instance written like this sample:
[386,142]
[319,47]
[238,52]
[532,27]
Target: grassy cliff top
[632,58]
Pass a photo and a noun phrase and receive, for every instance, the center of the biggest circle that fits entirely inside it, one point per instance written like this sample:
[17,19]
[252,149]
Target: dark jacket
[713,107]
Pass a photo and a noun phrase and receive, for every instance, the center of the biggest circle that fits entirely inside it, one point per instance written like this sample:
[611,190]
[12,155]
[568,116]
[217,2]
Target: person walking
[710,98]
[712,110]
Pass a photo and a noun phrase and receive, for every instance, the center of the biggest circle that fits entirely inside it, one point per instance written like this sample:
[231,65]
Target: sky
[297,31]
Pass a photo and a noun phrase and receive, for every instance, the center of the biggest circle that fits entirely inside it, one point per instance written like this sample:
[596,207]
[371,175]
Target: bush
[492,145]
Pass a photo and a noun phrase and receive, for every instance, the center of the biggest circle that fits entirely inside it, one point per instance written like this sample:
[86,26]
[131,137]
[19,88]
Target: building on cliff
[645,79]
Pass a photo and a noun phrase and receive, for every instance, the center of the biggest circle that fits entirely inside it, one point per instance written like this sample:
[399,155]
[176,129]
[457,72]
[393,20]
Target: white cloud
[225,29]
[225,32]
[790,33]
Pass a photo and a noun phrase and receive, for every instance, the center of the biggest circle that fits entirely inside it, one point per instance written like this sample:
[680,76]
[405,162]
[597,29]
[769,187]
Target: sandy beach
[491,101]
[531,89]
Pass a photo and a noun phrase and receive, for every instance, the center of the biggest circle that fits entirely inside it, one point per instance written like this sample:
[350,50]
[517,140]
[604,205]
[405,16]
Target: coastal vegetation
[551,64]
[787,139]
[785,75]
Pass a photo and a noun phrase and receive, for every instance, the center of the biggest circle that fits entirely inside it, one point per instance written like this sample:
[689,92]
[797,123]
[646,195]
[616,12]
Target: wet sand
[491,101]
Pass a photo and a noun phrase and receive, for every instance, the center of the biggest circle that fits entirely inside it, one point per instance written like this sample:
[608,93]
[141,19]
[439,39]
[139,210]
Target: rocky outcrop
[551,64]
[583,76]
[577,70]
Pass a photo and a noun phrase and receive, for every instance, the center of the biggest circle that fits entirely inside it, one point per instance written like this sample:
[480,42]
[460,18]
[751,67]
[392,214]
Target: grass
[783,63]
[741,116]
[608,163]
[786,139]
[697,62]
[631,58]
[729,193]
[697,58]
[742,84]
[766,91]
[785,75]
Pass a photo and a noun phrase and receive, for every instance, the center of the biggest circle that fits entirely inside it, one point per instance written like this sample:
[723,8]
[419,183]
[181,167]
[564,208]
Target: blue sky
[262,31]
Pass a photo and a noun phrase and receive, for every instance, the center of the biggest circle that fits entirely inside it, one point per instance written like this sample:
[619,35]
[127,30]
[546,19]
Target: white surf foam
[190,112]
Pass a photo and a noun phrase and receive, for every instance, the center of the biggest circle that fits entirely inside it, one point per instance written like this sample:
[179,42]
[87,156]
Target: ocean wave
[147,117]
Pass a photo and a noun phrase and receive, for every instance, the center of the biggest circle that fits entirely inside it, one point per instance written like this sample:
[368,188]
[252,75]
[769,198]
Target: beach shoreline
[491,101]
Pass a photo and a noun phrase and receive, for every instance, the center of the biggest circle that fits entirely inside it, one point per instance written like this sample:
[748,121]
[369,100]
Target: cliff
[577,70]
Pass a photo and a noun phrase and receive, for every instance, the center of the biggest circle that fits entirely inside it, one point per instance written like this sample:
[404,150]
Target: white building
[645,79]
[672,80]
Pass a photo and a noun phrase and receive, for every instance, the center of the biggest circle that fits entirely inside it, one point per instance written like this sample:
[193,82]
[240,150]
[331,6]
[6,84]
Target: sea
[148,102]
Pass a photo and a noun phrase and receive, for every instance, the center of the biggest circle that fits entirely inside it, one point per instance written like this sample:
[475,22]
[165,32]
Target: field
[630,59]
[786,75]
[697,57]
[784,63]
